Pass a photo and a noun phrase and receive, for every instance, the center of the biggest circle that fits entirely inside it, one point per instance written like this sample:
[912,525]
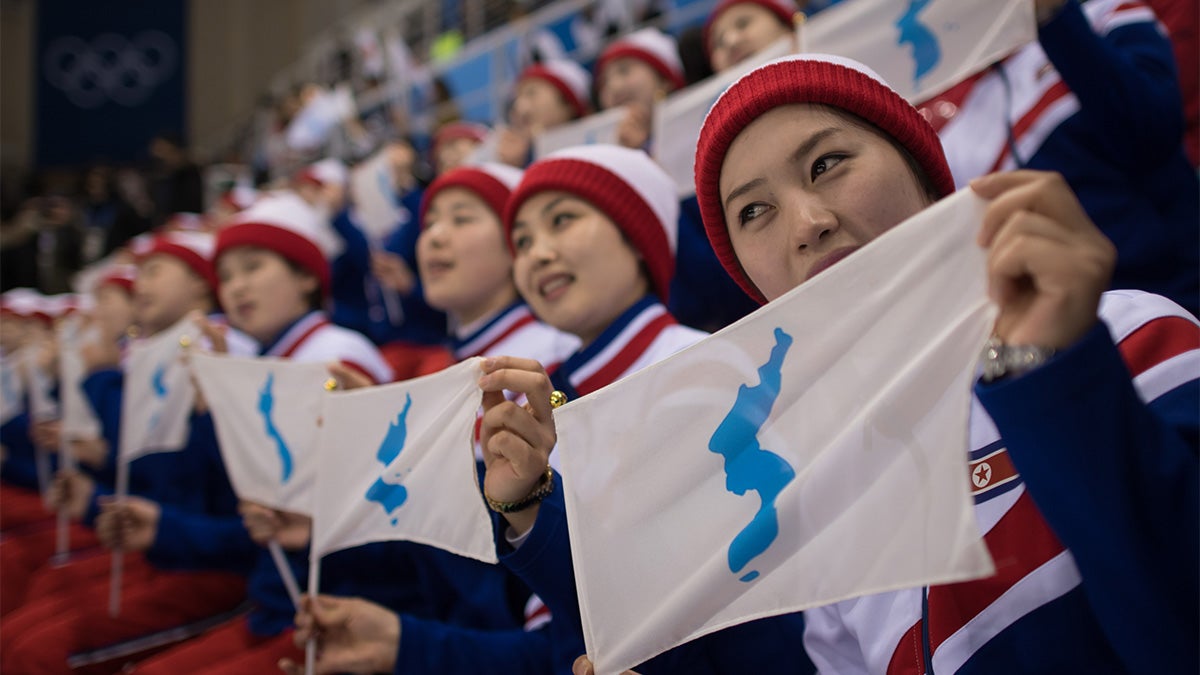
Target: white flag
[812,452]
[320,116]
[374,200]
[78,419]
[38,385]
[398,462]
[12,387]
[158,396]
[265,411]
[598,128]
[922,47]
[677,120]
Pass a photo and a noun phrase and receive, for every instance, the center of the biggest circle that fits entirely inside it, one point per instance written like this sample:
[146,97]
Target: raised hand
[516,439]
[1047,262]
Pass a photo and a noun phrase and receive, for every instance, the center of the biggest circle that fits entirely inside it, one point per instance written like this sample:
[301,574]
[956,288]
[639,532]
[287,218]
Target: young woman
[593,235]
[738,29]
[272,276]
[808,158]
[66,611]
[546,95]
[466,271]
[636,71]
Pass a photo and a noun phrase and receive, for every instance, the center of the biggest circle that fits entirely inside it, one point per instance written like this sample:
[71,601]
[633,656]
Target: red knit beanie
[194,249]
[491,182]
[804,78]
[284,223]
[624,184]
[650,46]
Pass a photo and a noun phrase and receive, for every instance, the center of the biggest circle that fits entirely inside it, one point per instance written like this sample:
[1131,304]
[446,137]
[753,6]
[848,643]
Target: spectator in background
[737,29]
[175,185]
[637,71]
[108,219]
[546,95]
[1096,99]
[59,234]
[1182,19]
[18,247]
[453,144]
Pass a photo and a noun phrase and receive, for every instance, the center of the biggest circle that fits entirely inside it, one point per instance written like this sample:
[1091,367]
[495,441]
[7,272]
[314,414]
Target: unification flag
[78,419]
[922,47]
[266,413]
[374,199]
[812,452]
[12,387]
[158,395]
[398,462]
[600,127]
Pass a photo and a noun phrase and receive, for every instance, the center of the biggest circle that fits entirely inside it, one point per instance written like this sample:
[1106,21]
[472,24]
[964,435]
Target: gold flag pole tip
[331,384]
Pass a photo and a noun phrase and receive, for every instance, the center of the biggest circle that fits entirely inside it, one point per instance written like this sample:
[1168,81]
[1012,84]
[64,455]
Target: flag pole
[310,645]
[314,575]
[62,546]
[285,571]
[118,555]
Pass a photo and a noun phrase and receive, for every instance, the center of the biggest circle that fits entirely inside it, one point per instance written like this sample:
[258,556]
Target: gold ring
[557,399]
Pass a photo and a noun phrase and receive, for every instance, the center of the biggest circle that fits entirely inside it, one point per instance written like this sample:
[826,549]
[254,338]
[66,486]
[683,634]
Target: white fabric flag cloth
[598,128]
[374,198]
[266,413]
[158,395]
[78,419]
[843,405]
[42,406]
[12,387]
[922,47]
[398,462]
[677,120]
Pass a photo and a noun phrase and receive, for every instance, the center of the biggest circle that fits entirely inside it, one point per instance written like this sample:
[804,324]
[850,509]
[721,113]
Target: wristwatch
[1001,360]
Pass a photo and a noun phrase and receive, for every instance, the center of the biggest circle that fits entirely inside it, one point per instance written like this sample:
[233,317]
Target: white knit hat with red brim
[492,182]
[325,172]
[624,184]
[284,223]
[569,78]
[650,46]
[194,249]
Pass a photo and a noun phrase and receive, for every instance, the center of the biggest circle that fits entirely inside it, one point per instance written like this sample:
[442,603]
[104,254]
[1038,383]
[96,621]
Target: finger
[535,386]
[329,610]
[495,363]
[1024,223]
[290,667]
[582,666]
[517,420]
[991,185]
[214,333]
[1046,194]
[527,463]
[347,377]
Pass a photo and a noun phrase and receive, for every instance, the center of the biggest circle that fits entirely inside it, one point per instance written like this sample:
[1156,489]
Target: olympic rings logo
[111,68]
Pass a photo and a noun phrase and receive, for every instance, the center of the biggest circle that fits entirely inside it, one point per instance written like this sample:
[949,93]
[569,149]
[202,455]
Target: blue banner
[111,74]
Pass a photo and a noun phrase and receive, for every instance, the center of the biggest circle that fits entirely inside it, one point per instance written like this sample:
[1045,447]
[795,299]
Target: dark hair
[316,297]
